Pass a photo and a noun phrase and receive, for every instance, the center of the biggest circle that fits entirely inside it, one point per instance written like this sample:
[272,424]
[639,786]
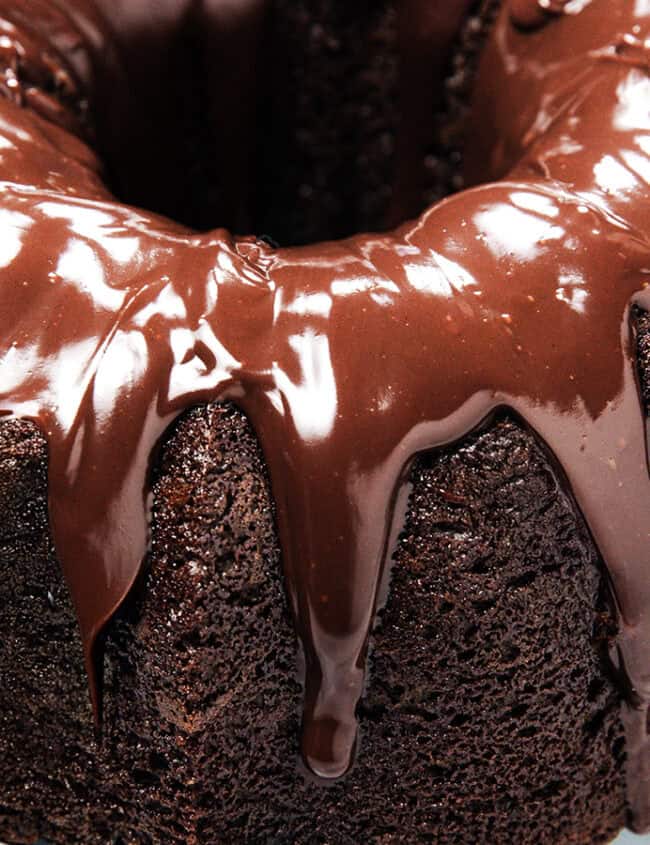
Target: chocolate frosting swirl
[348,357]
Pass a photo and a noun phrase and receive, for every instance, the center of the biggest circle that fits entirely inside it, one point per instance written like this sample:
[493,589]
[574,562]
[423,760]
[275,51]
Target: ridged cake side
[489,715]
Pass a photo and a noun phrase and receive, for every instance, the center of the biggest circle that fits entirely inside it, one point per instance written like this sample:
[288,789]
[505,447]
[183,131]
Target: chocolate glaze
[529,14]
[348,357]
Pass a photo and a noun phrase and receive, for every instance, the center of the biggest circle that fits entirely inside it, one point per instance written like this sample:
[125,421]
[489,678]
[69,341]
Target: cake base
[489,715]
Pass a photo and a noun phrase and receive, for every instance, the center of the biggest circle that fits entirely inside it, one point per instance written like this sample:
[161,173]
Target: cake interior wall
[289,126]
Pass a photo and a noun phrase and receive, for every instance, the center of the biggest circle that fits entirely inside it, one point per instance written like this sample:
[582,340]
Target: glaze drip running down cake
[521,297]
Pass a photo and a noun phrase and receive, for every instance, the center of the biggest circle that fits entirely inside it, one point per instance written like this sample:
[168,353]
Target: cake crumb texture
[489,716]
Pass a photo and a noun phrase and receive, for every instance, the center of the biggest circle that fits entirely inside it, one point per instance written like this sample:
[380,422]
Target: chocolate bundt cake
[345,537]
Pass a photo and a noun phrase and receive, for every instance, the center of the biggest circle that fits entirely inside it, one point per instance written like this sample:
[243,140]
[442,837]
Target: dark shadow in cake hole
[304,140]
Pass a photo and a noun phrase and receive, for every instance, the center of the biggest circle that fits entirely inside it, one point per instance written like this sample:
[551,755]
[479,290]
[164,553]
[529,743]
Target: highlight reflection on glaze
[351,357]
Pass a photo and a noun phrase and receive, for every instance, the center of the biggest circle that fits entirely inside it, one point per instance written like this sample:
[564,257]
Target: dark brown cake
[491,708]
[460,745]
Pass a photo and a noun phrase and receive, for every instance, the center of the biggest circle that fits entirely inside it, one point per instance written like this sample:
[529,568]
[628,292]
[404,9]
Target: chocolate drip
[352,357]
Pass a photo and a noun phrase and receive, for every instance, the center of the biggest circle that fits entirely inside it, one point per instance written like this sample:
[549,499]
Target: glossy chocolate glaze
[529,14]
[349,357]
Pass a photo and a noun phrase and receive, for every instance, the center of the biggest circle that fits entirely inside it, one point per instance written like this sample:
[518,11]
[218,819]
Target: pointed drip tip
[328,746]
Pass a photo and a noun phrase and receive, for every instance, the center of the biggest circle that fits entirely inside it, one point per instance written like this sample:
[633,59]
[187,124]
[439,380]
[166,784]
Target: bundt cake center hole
[310,125]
